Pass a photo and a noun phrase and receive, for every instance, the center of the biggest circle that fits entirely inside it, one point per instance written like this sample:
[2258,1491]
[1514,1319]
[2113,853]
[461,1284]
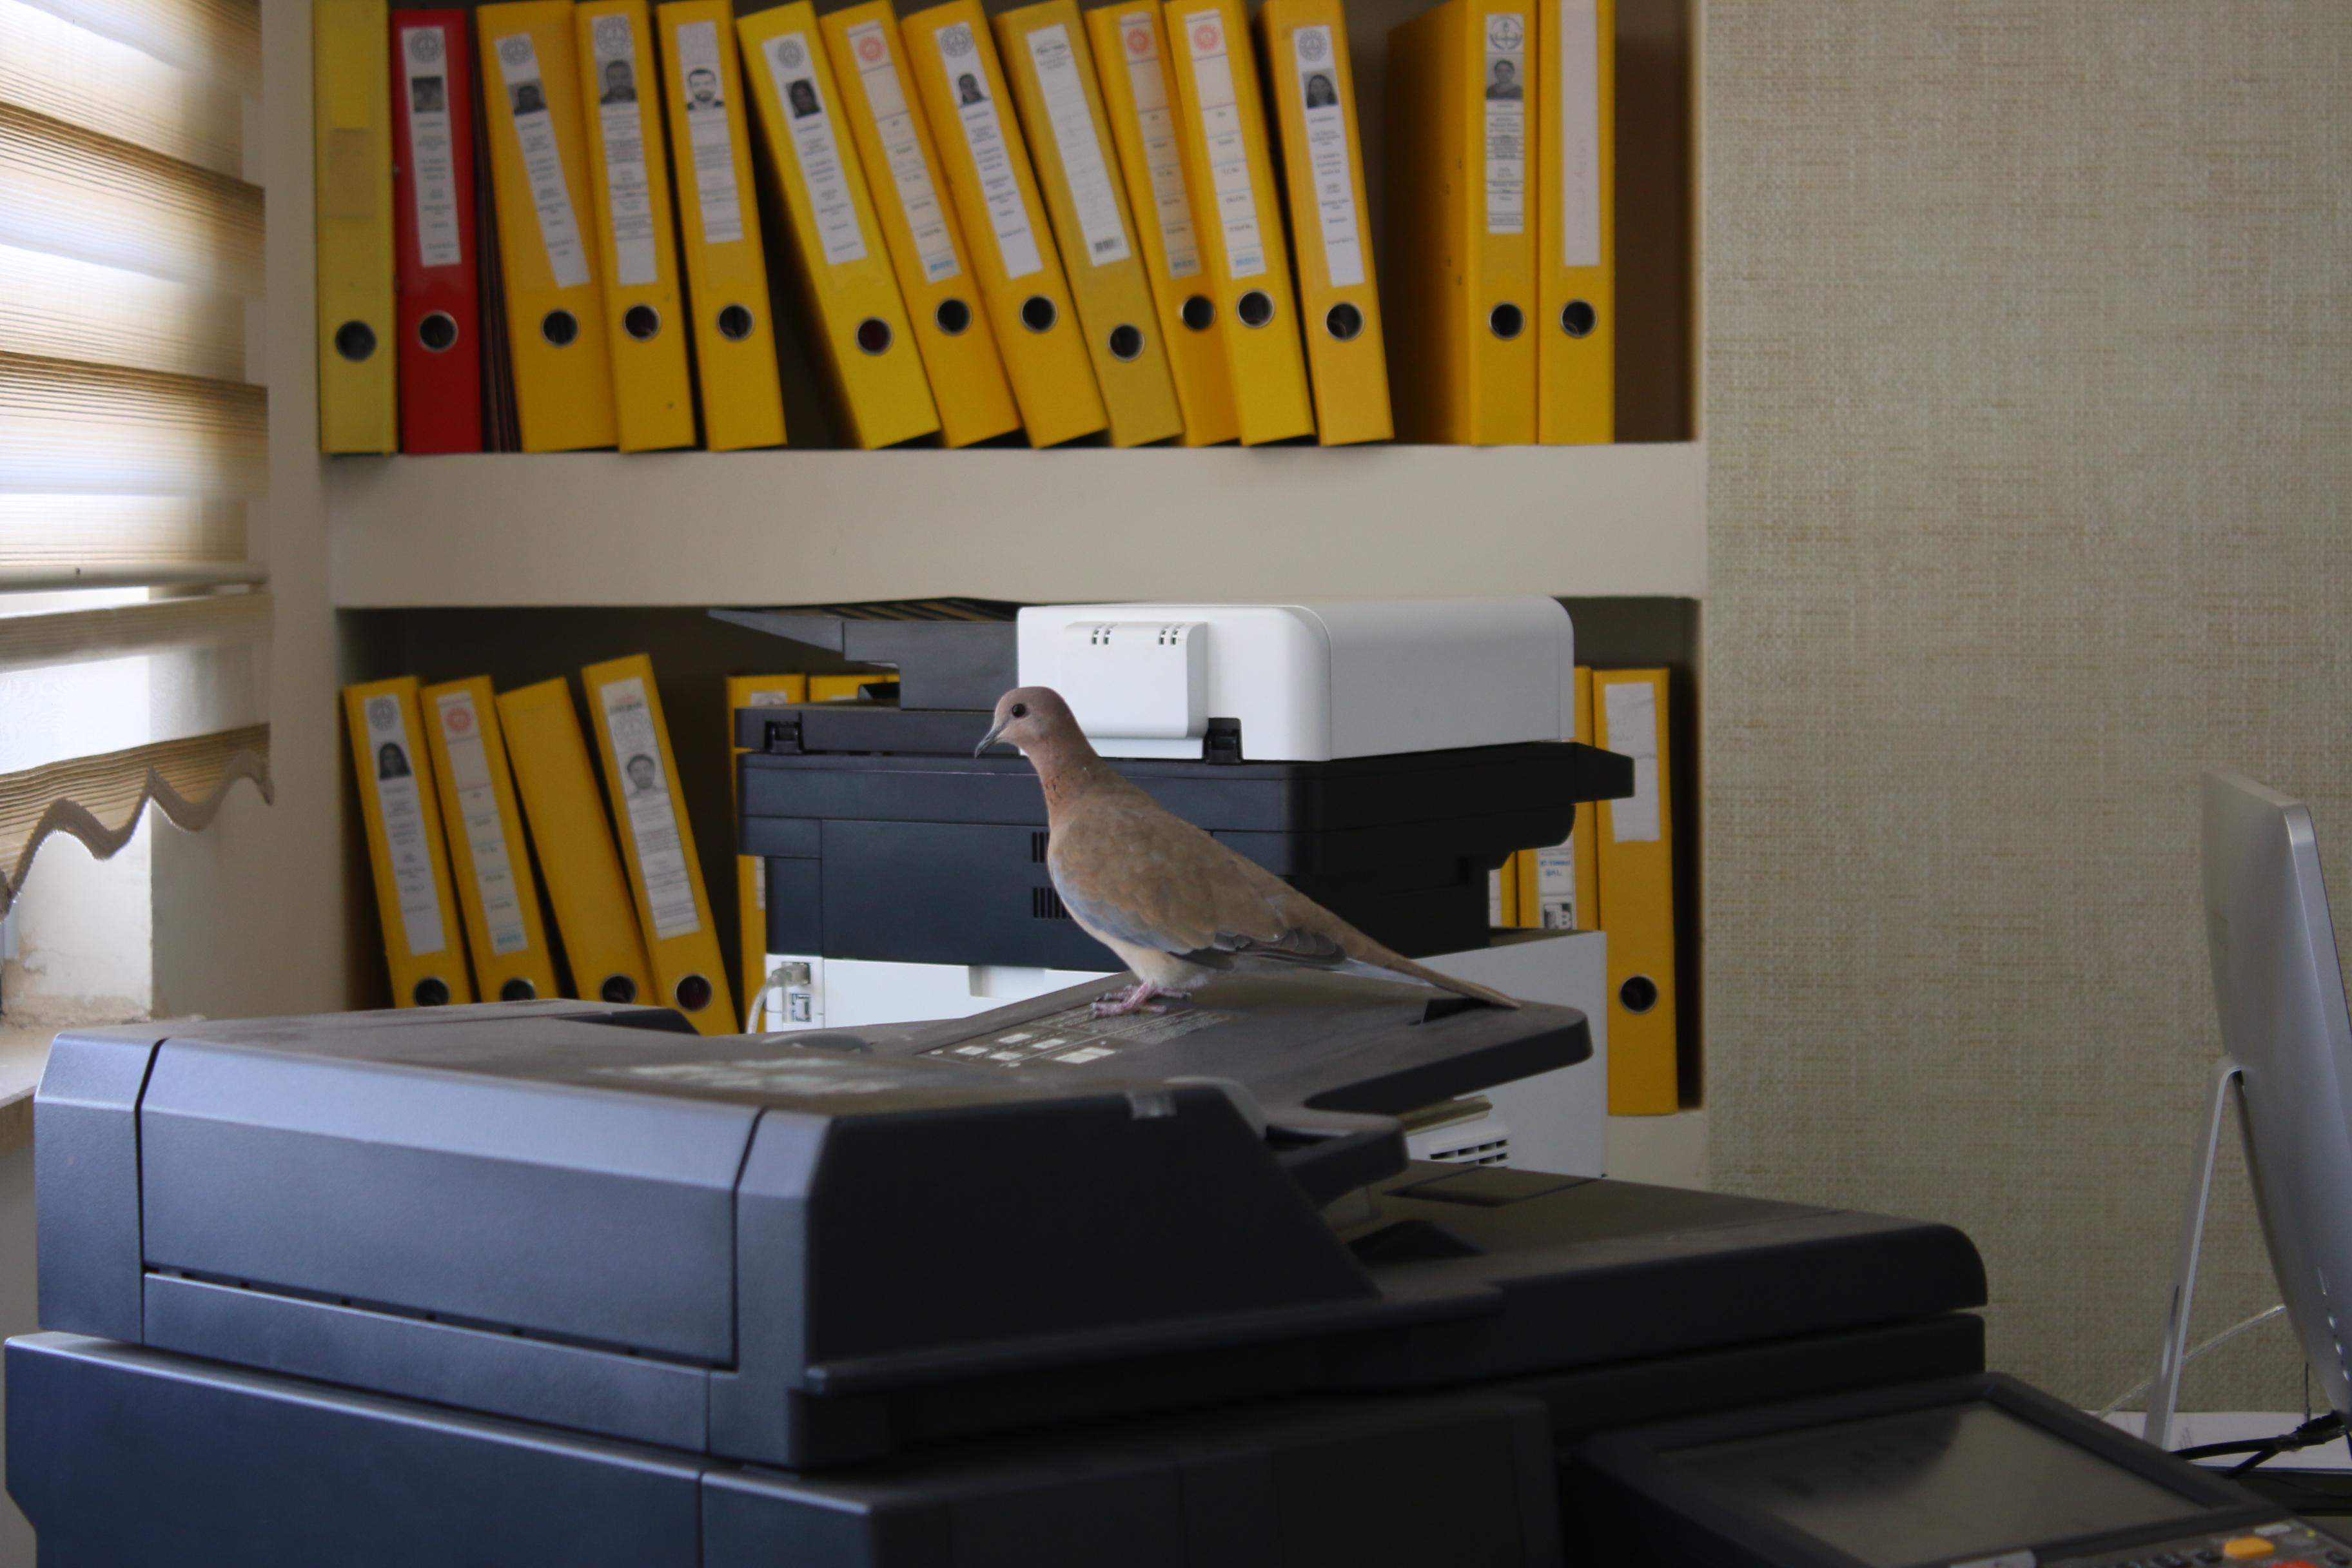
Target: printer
[563,1282]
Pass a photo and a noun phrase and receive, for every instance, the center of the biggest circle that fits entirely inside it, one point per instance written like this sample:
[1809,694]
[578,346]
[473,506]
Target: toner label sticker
[910,171]
[983,133]
[432,160]
[646,800]
[542,161]
[1163,154]
[1332,178]
[1507,122]
[1221,126]
[1579,87]
[401,805]
[477,807]
[709,139]
[1080,141]
[627,195]
[816,148]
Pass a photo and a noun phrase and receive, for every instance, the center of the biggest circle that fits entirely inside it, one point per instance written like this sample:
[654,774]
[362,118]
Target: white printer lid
[1310,682]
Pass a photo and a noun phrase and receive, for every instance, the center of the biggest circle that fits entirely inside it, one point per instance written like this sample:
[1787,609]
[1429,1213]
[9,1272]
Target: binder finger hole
[518,989]
[1037,313]
[1638,994]
[1126,343]
[1199,312]
[1255,308]
[1578,317]
[872,334]
[1343,322]
[953,316]
[618,988]
[437,332]
[560,327]
[355,341]
[735,323]
[431,991]
[1505,320]
[694,993]
[641,321]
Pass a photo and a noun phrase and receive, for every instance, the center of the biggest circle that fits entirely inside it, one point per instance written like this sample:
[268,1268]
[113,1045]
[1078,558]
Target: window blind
[134,434]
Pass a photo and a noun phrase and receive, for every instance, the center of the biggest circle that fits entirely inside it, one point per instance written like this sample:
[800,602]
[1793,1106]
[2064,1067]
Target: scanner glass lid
[1939,1485]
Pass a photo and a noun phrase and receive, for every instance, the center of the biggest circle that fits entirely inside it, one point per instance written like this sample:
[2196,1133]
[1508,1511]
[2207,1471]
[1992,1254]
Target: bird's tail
[1387,962]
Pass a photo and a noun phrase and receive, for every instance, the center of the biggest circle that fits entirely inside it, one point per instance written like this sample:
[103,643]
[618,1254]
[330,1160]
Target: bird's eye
[1020,710]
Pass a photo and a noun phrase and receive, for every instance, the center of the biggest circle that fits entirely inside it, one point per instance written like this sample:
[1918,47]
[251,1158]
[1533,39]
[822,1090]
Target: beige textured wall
[2029,395]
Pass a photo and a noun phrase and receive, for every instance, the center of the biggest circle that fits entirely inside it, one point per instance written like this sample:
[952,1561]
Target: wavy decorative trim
[98,800]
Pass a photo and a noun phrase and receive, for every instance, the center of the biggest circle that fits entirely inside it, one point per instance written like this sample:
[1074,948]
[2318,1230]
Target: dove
[1172,901]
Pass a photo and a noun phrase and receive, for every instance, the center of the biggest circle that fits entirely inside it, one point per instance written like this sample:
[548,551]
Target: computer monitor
[2279,990]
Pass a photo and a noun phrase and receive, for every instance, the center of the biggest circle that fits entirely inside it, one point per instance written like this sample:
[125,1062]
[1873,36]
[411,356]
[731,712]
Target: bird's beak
[989,739]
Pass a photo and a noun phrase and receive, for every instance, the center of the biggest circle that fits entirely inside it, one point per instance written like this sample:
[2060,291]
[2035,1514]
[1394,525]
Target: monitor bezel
[1641,1461]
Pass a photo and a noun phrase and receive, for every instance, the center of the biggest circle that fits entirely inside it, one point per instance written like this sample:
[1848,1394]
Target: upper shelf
[806,527]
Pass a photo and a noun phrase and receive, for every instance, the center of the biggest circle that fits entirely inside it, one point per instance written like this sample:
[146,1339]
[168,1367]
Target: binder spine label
[653,817]
[558,228]
[1327,155]
[477,806]
[983,133]
[1221,126]
[1556,885]
[1507,122]
[1163,154]
[402,810]
[433,169]
[816,149]
[1579,86]
[1632,708]
[1079,141]
[910,171]
[710,141]
[626,191]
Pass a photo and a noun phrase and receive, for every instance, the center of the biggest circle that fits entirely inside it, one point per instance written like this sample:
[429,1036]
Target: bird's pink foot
[1138,997]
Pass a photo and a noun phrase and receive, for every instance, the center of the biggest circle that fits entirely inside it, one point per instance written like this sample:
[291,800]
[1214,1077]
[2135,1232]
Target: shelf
[786,527]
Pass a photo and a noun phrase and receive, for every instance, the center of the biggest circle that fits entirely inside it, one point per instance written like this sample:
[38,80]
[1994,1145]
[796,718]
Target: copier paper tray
[807,1250]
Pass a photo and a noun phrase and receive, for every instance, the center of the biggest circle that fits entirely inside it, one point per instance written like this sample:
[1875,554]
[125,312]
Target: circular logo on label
[425,47]
[514,51]
[613,35]
[789,54]
[1504,32]
[458,720]
[1139,41]
[955,40]
[1204,36]
[382,712]
[1312,47]
[870,48]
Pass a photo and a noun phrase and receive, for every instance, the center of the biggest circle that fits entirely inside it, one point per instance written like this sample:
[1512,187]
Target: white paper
[1080,141]
[627,195]
[1579,87]
[910,171]
[1632,710]
[1507,122]
[432,163]
[1163,154]
[543,162]
[477,807]
[644,789]
[402,807]
[710,144]
[1221,125]
[1332,180]
[815,147]
[983,133]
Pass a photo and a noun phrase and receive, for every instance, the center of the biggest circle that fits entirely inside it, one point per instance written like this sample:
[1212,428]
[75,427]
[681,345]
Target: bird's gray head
[1031,719]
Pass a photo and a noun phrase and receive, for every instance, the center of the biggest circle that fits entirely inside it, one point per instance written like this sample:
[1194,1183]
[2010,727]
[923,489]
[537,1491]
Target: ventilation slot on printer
[1045,904]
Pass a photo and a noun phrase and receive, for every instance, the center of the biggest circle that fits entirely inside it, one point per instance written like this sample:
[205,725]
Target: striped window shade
[133,433]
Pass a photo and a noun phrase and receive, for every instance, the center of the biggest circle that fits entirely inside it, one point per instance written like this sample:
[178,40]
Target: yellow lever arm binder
[585,884]
[869,345]
[1558,890]
[1224,122]
[926,246]
[1576,205]
[1314,92]
[628,181]
[1050,69]
[719,220]
[953,61]
[1634,856]
[491,867]
[538,169]
[359,401]
[751,871]
[665,879]
[1461,345]
[403,817]
[1132,63]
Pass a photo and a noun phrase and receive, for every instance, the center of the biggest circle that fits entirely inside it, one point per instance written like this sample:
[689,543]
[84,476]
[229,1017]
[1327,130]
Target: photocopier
[566,1283]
